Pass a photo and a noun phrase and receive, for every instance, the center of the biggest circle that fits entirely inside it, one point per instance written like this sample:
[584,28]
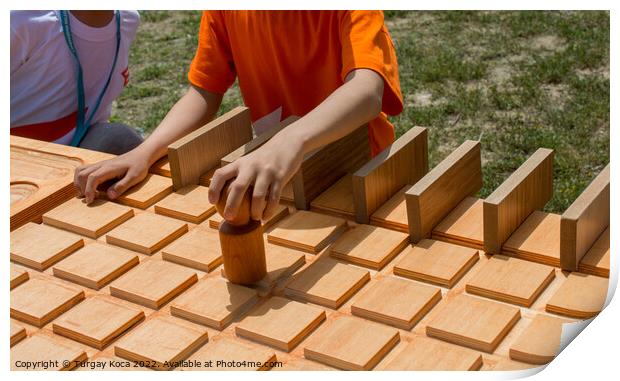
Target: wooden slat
[402,163]
[201,150]
[584,221]
[526,190]
[323,167]
[431,199]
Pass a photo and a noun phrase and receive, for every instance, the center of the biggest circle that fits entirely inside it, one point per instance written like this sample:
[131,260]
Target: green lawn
[515,80]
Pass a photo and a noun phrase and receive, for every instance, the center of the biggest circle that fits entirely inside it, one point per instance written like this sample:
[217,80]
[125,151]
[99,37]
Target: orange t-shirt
[287,62]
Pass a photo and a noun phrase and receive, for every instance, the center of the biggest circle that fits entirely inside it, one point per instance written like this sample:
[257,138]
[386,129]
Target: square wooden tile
[190,204]
[393,214]
[511,280]
[153,283]
[540,342]
[97,321]
[18,276]
[327,282]
[47,353]
[436,262]
[213,302]
[227,351]
[369,246]
[91,220]
[199,249]
[596,261]
[18,333]
[152,189]
[307,231]
[95,265]
[37,302]
[146,233]
[350,343]
[580,296]
[463,225]
[337,199]
[280,323]
[472,322]
[161,342]
[40,246]
[537,239]
[397,302]
[425,354]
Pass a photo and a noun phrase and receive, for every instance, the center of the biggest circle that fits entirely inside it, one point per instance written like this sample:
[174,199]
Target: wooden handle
[243,214]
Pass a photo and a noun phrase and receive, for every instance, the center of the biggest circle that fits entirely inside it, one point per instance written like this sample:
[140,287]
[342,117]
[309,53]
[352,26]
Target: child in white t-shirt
[48,48]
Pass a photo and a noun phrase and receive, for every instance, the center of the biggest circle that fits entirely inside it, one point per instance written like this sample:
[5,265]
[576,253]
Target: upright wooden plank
[584,221]
[526,190]
[202,150]
[402,163]
[429,200]
[323,167]
[258,141]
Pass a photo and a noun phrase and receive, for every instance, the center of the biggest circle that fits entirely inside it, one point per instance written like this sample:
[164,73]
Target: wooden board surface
[40,246]
[351,343]
[37,302]
[161,342]
[463,225]
[327,282]
[369,246]
[146,233]
[429,200]
[41,348]
[213,302]
[584,221]
[228,354]
[91,220]
[580,296]
[537,239]
[596,261]
[17,333]
[402,163]
[511,280]
[453,322]
[395,301]
[526,190]
[436,262]
[191,204]
[337,200]
[199,249]
[540,342]
[201,150]
[426,354]
[152,189]
[97,321]
[280,323]
[18,276]
[307,231]
[153,283]
[95,265]
[393,214]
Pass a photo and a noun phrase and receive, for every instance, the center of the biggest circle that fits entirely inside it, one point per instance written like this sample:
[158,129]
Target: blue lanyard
[82,125]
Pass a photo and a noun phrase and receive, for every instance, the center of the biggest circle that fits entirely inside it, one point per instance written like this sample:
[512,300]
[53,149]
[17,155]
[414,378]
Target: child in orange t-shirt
[335,69]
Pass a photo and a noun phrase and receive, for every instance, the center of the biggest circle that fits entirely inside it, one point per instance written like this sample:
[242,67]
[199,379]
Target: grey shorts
[114,138]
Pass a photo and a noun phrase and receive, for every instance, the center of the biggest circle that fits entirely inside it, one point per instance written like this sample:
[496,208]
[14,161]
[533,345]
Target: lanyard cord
[82,125]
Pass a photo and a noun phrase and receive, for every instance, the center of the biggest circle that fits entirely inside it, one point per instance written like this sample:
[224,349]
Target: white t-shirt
[44,73]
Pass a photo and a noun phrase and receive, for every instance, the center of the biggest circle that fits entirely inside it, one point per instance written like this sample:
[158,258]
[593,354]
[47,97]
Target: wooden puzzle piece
[307,231]
[153,283]
[91,220]
[95,265]
[199,249]
[40,246]
[97,321]
[393,214]
[213,302]
[280,323]
[580,296]
[44,350]
[436,262]
[426,354]
[397,302]
[162,342]
[37,302]
[146,233]
[471,322]
[511,280]
[337,200]
[369,246]
[228,354]
[350,343]
[18,276]
[540,342]
[463,225]
[537,239]
[152,189]
[327,282]
[17,333]
[596,261]
[190,204]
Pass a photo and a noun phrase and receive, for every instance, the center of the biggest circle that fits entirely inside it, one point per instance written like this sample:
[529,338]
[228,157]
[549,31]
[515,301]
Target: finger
[273,200]
[219,179]
[80,177]
[118,188]
[237,190]
[259,196]
[94,179]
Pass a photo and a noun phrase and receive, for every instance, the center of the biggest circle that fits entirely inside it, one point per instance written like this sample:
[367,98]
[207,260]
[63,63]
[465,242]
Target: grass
[515,80]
